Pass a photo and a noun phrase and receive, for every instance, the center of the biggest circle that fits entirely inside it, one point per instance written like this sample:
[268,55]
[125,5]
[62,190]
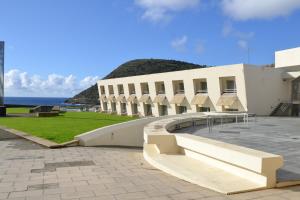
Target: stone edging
[40,141]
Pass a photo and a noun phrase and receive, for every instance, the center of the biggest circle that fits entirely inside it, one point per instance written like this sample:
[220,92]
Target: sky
[56,48]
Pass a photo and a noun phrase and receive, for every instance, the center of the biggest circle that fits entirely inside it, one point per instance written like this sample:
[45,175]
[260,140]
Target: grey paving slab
[116,173]
[270,134]
[4,135]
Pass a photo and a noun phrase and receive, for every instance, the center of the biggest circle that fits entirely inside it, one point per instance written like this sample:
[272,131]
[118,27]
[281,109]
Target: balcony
[179,92]
[229,91]
[296,97]
[201,92]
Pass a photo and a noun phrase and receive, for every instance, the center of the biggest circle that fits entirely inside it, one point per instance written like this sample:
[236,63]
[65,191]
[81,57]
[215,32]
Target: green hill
[133,68]
[150,66]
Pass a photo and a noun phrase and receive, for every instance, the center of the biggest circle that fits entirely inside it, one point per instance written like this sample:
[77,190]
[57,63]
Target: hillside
[150,66]
[89,96]
[133,68]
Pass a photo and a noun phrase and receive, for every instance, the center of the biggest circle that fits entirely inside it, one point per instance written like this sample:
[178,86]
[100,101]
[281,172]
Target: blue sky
[59,47]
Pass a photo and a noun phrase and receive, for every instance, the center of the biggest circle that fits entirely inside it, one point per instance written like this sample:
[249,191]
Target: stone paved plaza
[28,171]
[270,134]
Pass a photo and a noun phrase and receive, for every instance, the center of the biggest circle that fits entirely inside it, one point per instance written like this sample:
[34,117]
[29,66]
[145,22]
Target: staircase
[283,109]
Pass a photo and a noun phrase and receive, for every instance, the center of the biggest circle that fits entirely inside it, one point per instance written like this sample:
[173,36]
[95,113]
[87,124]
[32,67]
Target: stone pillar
[2,107]
[1,73]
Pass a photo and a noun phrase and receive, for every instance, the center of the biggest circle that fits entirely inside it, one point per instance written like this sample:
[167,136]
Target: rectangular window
[102,90]
[203,86]
[145,88]
[131,88]
[160,88]
[121,89]
[230,85]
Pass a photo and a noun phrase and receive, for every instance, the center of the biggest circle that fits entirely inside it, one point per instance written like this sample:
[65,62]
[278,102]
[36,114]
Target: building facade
[262,90]
[1,73]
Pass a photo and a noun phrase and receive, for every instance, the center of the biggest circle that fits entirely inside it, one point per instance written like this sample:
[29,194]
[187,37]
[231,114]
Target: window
[121,89]
[178,87]
[203,86]
[113,107]
[123,108]
[102,90]
[111,89]
[131,88]
[181,86]
[230,85]
[160,88]
[203,109]
[148,110]
[145,88]
[134,109]
[181,109]
[104,106]
[231,110]
[163,110]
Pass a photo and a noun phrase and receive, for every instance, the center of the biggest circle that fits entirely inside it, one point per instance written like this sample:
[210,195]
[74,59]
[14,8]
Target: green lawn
[64,127]
[17,110]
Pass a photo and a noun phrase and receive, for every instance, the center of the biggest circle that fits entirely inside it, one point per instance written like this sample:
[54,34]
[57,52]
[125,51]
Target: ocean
[51,101]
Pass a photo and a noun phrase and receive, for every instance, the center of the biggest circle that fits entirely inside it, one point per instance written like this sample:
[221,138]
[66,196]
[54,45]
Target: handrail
[201,92]
[179,92]
[229,91]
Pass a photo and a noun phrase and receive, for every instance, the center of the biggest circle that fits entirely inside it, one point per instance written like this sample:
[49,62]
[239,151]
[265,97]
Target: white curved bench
[220,166]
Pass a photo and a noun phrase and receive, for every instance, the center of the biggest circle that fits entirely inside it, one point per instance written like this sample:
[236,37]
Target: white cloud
[179,44]
[18,83]
[161,10]
[88,81]
[243,38]
[229,30]
[243,44]
[259,9]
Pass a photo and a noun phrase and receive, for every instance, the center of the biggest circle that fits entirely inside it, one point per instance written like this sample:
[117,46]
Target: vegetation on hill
[150,66]
[89,96]
[133,68]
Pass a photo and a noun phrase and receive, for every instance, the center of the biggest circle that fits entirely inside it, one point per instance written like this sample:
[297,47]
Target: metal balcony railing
[201,92]
[229,91]
[296,96]
[179,92]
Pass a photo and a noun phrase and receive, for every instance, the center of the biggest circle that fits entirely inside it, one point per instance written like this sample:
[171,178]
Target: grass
[20,110]
[64,127]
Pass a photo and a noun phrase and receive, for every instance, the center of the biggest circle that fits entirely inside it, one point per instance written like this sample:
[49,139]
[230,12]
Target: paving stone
[43,186]
[132,196]
[116,173]
[270,134]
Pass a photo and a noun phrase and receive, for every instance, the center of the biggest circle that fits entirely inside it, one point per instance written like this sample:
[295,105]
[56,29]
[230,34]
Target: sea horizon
[51,101]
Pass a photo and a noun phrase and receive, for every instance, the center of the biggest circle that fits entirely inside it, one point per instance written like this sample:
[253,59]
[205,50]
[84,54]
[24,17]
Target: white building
[262,90]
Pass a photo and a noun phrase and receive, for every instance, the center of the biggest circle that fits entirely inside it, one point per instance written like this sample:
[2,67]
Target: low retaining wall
[46,114]
[220,166]
[128,134]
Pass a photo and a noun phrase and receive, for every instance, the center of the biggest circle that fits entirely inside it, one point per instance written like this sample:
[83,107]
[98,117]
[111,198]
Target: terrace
[179,98]
[201,99]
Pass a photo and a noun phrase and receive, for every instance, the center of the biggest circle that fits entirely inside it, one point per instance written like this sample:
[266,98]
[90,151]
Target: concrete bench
[199,160]
[257,166]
